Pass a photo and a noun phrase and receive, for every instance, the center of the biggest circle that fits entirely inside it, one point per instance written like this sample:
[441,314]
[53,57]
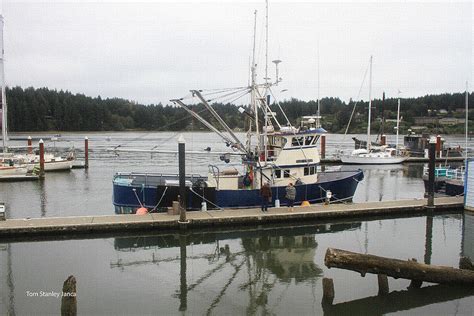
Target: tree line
[45,109]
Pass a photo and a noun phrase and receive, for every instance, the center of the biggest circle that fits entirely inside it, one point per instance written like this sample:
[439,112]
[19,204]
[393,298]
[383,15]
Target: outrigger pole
[237,142]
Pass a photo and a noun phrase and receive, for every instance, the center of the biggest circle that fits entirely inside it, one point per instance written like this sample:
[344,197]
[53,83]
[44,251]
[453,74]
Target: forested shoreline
[44,109]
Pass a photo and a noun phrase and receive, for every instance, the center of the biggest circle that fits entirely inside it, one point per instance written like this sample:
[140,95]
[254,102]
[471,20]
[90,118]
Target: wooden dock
[233,217]
[410,160]
[15,178]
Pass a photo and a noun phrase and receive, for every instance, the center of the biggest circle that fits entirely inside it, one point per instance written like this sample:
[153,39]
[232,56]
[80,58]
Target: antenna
[276,62]
[318,113]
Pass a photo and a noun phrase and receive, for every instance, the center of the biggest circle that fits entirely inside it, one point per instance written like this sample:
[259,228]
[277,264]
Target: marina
[189,164]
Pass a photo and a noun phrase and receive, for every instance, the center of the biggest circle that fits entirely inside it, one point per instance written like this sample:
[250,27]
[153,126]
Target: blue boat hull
[342,185]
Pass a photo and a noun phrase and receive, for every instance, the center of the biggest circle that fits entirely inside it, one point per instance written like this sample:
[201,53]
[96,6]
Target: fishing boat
[281,154]
[373,155]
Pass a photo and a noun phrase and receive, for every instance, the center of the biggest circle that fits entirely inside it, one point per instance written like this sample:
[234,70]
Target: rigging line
[357,101]
[163,128]
[239,96]
[279,106]
[192,191]
[229,94]
[221,90]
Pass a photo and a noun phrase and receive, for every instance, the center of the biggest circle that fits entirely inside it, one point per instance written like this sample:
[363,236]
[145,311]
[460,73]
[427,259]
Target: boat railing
[153,175]
[215,173]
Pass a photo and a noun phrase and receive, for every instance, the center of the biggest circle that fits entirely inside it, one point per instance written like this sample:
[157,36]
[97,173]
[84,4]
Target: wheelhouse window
[308,140]
[278,173]
[306,171]
[286,173]
[312,170]
[297,141]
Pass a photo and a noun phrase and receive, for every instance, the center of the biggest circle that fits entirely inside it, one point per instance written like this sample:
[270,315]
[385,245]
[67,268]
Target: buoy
[142,211]
[305,203]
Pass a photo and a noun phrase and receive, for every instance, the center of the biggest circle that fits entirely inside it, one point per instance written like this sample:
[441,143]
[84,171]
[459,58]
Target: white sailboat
[379,155]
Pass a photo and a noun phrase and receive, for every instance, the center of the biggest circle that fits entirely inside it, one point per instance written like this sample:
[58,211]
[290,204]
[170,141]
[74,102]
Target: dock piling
[431,172]
[323,146]
[68,299]
[182,180]
[438,146]
[30,145]
[86,152]
[41,149]
[328,292]
[383,140]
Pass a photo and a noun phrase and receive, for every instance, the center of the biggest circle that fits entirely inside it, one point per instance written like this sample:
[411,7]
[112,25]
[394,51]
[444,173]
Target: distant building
[442,112]
[451,121]
[423,120]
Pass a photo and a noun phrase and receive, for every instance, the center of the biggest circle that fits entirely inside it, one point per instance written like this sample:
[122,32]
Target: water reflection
[266,257]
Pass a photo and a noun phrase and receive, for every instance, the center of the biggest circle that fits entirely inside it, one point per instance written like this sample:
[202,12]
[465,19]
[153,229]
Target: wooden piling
[323,146]
[30,145]
[86,152]
[431,173]
[383,140]
[69,297]
[328,291]
[438,146]
[182,179]
[41,149]
[383,284]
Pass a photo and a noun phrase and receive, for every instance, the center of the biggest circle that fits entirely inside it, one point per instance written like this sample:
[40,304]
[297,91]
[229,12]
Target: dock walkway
[124,223]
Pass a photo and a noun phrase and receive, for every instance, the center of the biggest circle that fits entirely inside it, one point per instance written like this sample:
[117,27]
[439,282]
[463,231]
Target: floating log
[337,258]
[69,300]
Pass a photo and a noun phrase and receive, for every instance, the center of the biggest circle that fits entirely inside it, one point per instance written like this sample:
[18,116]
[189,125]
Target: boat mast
[398,121]
[467,117]
[318,113]
[4,99]
[253,87]
[265,140]
[370,105]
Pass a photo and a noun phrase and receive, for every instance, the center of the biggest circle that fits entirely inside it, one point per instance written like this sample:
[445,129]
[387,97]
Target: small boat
[448,180]
[51,161]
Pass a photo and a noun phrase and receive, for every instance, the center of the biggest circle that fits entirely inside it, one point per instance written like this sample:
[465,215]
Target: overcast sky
[154,51]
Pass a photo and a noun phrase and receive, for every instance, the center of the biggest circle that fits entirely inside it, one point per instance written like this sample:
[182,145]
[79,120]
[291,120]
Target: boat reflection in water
[265,258]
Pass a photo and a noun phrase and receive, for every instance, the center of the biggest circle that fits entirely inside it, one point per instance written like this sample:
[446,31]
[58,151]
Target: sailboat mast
[318,113]
[398,121]
[370,105]
[467,117]
[265,137]
[4,99]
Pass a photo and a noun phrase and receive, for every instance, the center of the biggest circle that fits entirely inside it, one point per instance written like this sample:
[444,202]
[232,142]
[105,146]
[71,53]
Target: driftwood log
[412,270]
[68,300]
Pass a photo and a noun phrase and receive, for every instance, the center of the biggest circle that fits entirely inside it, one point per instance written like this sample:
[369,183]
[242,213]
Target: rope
[191,189]
[162,196]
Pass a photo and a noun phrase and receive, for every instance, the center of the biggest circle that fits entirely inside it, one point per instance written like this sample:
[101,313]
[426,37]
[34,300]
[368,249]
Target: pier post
[431,172]
[41,149]
[69,299]
[438,146]
[30,145]
[328,292]
[86,152]
[383,284]
[323,146]
[182,180]
[383,140]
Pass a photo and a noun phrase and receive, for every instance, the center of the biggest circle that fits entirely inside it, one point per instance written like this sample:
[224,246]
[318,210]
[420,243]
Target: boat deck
[231,217]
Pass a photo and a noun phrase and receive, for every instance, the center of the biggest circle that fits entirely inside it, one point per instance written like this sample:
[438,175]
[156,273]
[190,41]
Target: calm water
[89,192]
[267,270]
[253,270]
